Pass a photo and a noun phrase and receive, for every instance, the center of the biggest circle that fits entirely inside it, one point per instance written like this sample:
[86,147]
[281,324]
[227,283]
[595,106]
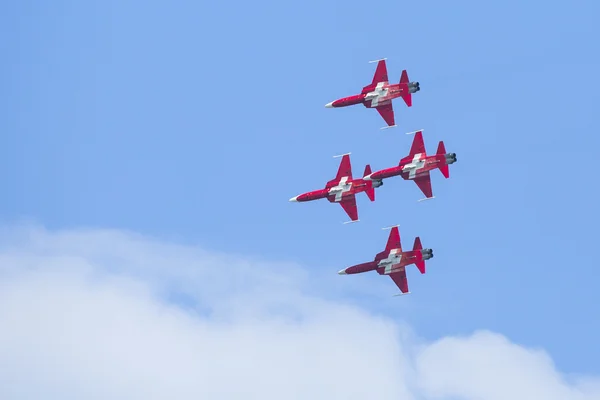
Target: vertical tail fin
[406,95]
[417,247]
[441,153]
[371,190]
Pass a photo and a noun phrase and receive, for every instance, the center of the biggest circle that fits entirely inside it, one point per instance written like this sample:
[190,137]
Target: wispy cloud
[113,315]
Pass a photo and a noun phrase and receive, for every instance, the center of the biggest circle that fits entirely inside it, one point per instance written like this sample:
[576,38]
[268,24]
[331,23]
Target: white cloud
[92,314]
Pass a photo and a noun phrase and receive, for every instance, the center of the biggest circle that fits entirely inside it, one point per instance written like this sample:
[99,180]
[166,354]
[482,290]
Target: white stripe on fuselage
[377,94]
[342,187]
[393,259]
[417,164]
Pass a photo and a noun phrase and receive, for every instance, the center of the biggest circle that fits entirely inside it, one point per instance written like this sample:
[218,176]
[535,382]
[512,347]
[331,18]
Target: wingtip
[342,155]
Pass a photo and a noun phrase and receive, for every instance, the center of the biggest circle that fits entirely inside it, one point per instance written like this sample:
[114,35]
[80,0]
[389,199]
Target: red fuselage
[411,168]
[387,262]
[348,101]
[335,193]
[372,95]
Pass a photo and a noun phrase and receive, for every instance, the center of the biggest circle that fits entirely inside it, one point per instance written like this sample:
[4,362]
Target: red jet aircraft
[393,261]
[380,93]
[417,164]
[343,189]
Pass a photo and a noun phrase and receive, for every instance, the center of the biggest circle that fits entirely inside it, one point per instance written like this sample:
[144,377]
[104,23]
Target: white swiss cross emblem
[418,162]
[377,94]
[391,260]
[342,187]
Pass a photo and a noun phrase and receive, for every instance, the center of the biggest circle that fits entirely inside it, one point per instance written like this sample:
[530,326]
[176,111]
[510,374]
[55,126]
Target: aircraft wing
[417,145]
[381,74]
[349,205]
[400,280]
[393,240]
[387,113]
[424,183]
[345,168]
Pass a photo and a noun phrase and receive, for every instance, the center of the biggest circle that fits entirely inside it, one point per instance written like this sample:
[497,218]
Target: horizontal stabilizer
[402,294]
[426,198]
[417,247]
[374,61]
[441,151]
[413,132]
[370,189]
[404,77]
[351,222]
[406,95]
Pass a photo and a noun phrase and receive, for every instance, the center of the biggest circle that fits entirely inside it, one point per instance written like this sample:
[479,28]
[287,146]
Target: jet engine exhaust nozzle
[413,87]
[427,254]
[450,158]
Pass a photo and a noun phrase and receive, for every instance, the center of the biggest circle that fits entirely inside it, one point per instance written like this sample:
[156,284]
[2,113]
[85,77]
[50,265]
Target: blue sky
[197,121]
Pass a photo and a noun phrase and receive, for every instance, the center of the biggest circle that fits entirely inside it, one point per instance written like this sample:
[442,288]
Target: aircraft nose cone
[329,105]
[295,199]
[342,272]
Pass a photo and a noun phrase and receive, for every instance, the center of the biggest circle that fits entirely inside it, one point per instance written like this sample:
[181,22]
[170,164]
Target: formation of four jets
[416,166]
